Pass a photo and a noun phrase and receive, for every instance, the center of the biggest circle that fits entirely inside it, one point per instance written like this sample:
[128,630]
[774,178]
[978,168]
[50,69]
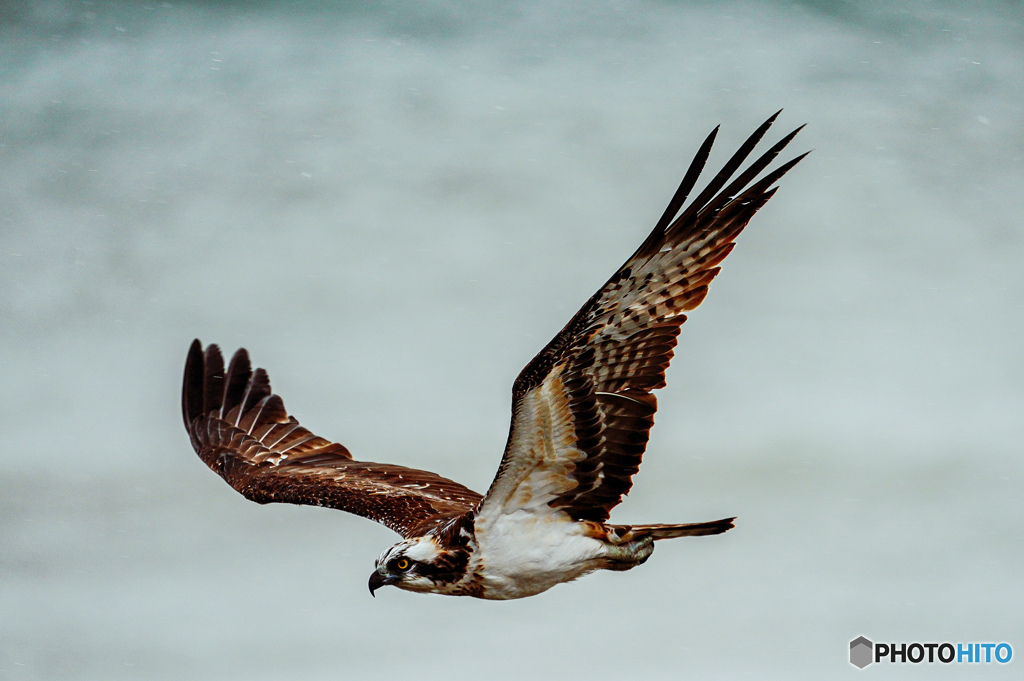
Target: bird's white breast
[522,553]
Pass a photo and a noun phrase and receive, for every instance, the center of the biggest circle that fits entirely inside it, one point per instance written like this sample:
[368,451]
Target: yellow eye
[402,564]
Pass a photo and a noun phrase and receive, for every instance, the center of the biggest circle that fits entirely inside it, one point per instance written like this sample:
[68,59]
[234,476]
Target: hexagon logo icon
[861,652]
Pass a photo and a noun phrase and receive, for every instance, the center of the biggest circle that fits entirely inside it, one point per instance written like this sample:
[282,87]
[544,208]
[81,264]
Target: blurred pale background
[393,205]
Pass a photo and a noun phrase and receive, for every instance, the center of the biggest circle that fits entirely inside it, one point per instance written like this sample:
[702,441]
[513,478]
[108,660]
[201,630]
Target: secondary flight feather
[582,411]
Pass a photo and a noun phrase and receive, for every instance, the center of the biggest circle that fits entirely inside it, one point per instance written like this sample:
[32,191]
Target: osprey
[582,410]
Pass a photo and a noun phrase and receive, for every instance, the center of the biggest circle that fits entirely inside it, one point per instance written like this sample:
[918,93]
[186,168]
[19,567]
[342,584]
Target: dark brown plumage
[243,433]
[616,349]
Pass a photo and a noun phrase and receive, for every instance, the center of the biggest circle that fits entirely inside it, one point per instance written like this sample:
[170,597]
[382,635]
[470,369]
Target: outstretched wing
[582,409]
[242,431]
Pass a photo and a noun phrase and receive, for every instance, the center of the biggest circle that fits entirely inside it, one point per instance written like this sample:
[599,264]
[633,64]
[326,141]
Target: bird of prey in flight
[582,410]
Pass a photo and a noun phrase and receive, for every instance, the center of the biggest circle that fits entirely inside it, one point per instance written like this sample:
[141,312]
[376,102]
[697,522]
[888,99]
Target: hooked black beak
[377,580]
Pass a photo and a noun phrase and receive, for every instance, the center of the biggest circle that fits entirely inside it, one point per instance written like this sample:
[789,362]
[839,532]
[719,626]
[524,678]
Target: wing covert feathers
[598,373]
[241,430]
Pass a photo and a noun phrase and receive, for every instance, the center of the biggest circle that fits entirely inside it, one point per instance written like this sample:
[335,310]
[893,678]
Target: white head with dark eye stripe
[410,564]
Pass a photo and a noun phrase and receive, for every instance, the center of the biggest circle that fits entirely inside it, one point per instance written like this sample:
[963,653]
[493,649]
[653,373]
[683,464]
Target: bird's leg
[629,555]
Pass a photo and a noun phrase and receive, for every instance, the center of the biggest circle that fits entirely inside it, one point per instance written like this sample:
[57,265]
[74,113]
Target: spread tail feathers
[656,532]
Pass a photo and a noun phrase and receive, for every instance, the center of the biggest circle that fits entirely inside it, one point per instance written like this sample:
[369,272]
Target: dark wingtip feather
[689,180]
[192,384]
[213,379]
[759,165]
[774,176]
[239,373]
[727,171]
[258,388]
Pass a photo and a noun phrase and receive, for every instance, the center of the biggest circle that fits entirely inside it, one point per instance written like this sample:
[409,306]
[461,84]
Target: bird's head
[436,562]
[417,564]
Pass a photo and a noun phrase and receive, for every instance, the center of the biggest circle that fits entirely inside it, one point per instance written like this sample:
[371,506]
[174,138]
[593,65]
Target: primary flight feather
[582,411]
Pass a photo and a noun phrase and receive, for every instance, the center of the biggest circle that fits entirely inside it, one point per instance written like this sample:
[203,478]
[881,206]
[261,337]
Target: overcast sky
[393,206]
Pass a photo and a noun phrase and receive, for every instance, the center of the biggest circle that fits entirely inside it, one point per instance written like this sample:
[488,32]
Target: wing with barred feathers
[241,430]
[583,408]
